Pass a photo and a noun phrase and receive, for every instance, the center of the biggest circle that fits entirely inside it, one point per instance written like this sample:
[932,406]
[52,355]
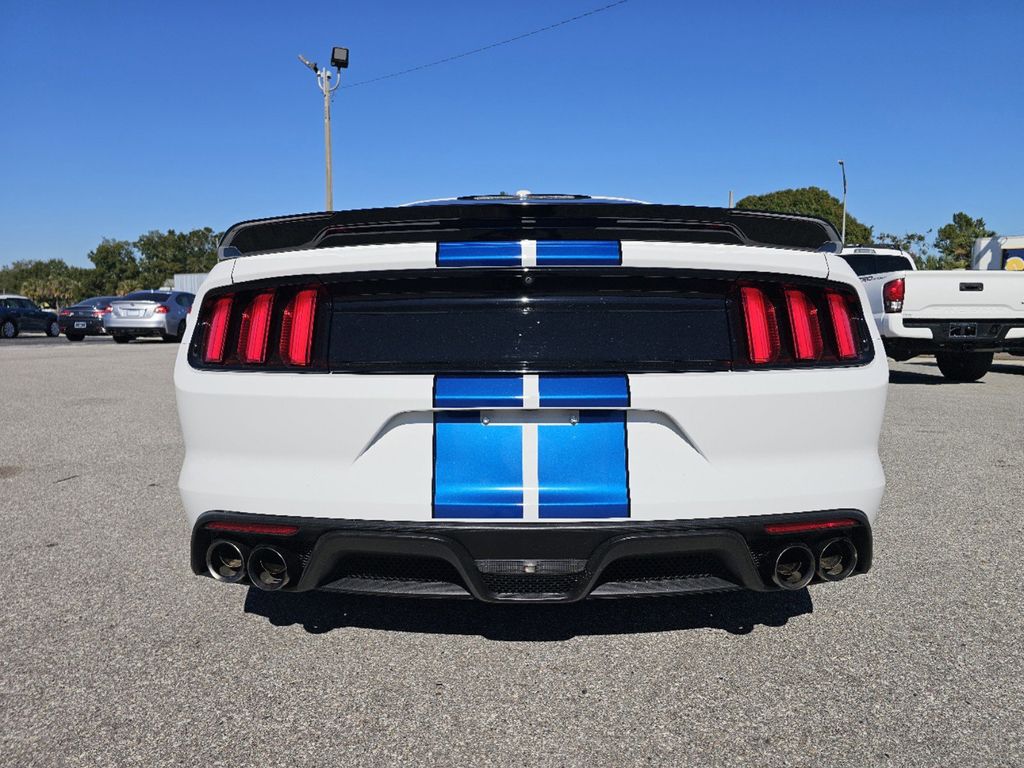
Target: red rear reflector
[803,317]
[252,336]
[297,328]
[218,333]
[762,327]
[820,525]
[266,528]
[893,293]
[840,311]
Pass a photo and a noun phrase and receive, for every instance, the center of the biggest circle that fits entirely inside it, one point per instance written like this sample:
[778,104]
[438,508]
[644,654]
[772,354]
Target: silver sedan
[148,313]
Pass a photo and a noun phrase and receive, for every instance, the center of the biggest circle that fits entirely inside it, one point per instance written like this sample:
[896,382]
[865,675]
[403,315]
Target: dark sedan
[85,318]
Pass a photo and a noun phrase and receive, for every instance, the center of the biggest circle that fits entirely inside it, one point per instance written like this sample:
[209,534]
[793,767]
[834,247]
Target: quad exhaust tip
[225,561]
[268,568]
[837,559]
[794,567]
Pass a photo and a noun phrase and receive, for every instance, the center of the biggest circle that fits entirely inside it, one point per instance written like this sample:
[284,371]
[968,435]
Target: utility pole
[842,237]
[730,198]
[339,60]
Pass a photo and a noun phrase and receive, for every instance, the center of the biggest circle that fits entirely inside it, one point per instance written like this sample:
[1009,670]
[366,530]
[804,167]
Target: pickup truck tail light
[892,295]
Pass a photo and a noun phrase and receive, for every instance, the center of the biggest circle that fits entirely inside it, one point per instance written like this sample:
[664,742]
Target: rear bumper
[137,326]
[905,337]
[93,326]
[517,562]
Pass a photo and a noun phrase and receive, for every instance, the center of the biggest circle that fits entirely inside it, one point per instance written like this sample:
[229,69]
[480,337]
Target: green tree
[55,290]
[114,263]
[165,253]
[809,201]
[955,240]
[915,244]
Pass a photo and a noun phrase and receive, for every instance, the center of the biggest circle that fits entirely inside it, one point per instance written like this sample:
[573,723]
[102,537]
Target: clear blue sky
[122,117]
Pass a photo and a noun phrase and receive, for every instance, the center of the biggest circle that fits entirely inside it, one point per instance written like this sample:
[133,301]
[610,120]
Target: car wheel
[122,338]
[8,329]
[53,329]
[964,366]
[74,336]
[177,337]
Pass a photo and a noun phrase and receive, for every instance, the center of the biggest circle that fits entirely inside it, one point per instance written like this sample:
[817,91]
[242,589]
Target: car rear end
[531,403]
[85,318]
[143,313]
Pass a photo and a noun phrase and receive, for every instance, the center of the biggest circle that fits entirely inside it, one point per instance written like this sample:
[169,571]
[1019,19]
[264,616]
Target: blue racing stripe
[582,468]
[488,254]
[584,391]
[578,252]
[478,470]
[478,391]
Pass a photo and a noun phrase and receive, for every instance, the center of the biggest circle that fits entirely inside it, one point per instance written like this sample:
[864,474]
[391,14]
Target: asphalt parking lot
[113,654]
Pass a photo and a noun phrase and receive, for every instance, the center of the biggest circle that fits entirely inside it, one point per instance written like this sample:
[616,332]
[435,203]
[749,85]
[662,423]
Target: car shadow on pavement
[1007,368]
[914,377]
[736,612]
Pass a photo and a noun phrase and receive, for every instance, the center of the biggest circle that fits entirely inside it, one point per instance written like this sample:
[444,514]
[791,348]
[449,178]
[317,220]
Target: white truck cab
[963,317]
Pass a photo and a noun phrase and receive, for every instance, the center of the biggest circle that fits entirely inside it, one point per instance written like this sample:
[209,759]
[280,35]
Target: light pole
[339,60]
[843,236]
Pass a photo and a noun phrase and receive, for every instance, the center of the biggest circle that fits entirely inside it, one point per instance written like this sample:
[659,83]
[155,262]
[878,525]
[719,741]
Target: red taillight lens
[846,347]
[218,333]
[762,327]
[65,313]
[803,318]
[892,295]
[807,527]
[160,310]
[297,328]
[265,528]
[107,310]
[252,335]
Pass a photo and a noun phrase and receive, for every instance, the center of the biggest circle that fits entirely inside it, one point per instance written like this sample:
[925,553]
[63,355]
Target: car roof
[523,196]
[887,249]
[12,296]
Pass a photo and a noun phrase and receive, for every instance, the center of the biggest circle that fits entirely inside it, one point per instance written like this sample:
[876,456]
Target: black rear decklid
[451,222]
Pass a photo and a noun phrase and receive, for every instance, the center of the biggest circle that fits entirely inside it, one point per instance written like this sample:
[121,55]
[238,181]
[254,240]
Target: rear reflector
[846,348]
[218,333]
[297,328]
[265,528]
[762,327]
[252,336]
[803,317]
[806,527]
[893,293]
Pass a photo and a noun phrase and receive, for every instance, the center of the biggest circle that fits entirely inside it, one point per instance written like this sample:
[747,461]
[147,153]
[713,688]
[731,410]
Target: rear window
[146,296]
[876,263]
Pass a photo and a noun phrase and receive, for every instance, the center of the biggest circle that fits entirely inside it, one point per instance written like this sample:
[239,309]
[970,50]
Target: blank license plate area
[963,330]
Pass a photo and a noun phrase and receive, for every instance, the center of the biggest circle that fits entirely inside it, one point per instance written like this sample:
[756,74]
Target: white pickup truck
[962,317]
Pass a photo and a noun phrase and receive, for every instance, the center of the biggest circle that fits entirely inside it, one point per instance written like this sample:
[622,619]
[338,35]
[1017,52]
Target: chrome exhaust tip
[837,559]
[268,568]
[225,561]
[794,567]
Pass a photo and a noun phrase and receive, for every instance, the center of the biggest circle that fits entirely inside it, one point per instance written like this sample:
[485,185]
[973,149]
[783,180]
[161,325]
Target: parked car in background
[85,318]
[531,398]
[148,313]
[962,317]
[20,313]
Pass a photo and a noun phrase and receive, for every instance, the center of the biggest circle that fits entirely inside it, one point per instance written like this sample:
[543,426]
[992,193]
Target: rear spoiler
[450,222]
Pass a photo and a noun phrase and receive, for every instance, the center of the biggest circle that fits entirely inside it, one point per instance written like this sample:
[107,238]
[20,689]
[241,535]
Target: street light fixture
[842,237]
[339,60]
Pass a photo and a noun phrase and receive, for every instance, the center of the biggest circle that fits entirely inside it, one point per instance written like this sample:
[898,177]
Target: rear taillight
[272,328]
[107,310]
[842,325]
[160,309]
[776,529]
[217,335]
[762,326]
[787,325]
[803,319]
[892,295]
[255,328]
[297,328]
[65,313]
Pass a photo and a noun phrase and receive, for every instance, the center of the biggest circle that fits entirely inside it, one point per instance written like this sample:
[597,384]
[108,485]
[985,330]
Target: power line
[486,47]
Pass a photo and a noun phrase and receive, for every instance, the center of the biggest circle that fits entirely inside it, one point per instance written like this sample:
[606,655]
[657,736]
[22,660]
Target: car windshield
[146,296]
